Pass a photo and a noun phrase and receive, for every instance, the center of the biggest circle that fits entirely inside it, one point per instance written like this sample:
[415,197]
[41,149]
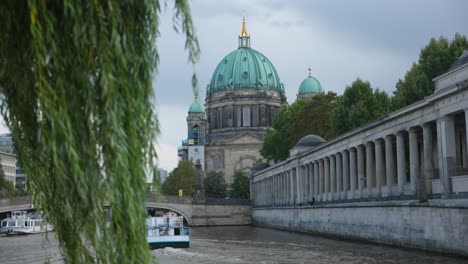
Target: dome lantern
[244,38]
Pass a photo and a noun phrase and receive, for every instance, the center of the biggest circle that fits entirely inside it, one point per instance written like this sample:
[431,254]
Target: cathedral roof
[196,107]
[310,85]
[245,68]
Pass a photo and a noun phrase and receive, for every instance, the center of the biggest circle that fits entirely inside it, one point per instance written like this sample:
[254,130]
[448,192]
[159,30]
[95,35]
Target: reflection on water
[245,244]
[239,244]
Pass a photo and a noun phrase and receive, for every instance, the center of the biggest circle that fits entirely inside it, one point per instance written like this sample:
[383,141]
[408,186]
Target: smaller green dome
[196,107]
[310,85]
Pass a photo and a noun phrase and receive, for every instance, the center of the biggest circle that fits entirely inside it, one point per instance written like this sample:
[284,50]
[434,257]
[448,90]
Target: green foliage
[359,105]
[181,178]
[7,188]
[434,60]
[240,186]
[303,117]
[215,185]
[76,80]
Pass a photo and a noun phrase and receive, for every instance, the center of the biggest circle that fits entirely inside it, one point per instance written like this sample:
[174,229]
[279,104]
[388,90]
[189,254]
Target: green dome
[196,107]
[245,68]
[310,85]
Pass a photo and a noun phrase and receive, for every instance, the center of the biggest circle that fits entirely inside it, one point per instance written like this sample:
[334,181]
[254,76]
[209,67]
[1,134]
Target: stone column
[414,159]
[327,179]
[332,193]
[316,180]
[428,162]
[312,181]
[465,147]
[370,174]
[447,154]
[346,174]
[291,187]
[360,171]
[389,164]
[401,162]
[321,180]
[352,173]
[297,181]
[379,166]
[339,176]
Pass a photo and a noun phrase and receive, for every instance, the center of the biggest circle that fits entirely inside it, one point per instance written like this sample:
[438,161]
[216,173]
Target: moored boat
[21,223]
[167,231]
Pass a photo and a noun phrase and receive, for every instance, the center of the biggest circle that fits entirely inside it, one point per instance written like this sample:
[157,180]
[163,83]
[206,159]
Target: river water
[240,244]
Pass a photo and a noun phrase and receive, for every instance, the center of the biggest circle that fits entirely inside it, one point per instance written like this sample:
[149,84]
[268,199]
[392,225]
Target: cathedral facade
[245,91]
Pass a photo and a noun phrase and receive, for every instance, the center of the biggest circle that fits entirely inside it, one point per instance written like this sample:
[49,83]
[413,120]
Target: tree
[7,189]
[77,96]
[359,105]
[215,185]
[240,186]
[303,117]
[434,60]
[181,178]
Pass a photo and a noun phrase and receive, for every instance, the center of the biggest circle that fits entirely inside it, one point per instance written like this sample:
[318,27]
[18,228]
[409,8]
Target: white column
[379,166]
[401,162]
[447,154]
[465,147]
[352,173]
[316,180]
[389,164]
[360,171]
[312,182]
[414,159]
[327,179]
[332,193]
[291,187]
[346,174]
[339,176]
[428,155]
[297,185]
[321,179]
[370,174]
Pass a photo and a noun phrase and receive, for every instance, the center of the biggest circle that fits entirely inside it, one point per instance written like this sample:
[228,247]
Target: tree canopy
[303,117]
[215,185]
[434,60]
[76,86]
[240,187]
[359,105]
[181,178]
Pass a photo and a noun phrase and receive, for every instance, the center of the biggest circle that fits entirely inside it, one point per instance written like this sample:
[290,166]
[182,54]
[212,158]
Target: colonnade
[411,161]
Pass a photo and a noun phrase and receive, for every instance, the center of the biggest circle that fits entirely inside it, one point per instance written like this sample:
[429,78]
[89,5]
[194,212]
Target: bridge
[209,212]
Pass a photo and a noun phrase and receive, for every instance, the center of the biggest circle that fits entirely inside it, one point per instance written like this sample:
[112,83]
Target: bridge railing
[230,201]
[151,197]
[16,201]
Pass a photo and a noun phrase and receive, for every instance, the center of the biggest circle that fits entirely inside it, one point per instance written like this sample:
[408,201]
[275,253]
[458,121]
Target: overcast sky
[340,39]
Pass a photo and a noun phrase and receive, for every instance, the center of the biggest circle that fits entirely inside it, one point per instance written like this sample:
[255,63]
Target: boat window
[11,223]
[4,223]
[177,231]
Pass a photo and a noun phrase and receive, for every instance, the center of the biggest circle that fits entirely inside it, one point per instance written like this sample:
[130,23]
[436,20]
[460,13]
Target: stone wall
[219,215]
[436,226]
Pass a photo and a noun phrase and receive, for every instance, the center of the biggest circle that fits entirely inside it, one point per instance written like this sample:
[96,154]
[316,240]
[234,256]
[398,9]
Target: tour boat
[167,231]
[21,223]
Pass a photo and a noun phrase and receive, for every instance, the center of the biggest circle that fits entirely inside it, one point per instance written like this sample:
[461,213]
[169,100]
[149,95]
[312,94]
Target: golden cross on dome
[310,71]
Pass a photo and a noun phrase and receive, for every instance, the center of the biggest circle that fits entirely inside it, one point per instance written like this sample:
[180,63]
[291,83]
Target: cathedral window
[238,116]
[220,118]
[255,116]
[245,75]
[246,116]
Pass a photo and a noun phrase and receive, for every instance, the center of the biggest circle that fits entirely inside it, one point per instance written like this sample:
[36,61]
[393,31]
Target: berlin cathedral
[227,133]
